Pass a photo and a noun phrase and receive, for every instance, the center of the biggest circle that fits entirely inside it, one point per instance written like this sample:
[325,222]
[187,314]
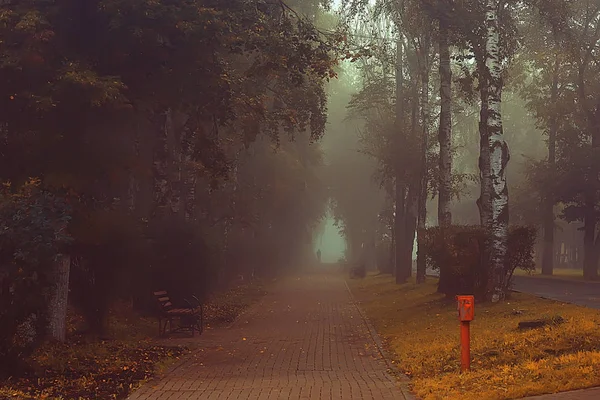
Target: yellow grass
[421,330]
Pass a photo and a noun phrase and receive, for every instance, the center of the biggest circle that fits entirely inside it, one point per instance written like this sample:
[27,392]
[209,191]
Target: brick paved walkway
[304,340]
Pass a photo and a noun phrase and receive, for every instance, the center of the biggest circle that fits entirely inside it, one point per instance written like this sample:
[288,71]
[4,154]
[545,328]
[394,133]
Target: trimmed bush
[457,252]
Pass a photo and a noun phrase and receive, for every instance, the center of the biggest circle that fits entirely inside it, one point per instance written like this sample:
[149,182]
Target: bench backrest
[164,303]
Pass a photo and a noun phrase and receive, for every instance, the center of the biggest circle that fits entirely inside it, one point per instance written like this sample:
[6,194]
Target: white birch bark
[498,159]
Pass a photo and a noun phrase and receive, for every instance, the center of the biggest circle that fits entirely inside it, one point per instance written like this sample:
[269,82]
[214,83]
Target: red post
[466,313]
[465,346]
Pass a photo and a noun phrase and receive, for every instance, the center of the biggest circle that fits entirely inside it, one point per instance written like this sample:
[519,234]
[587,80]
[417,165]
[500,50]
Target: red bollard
[466,313]
[465,346]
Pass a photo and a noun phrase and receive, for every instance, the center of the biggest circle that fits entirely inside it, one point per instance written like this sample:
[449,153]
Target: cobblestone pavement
[305,340]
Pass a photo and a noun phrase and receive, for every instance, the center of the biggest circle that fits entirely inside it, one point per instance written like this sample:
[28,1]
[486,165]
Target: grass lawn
[421,331]
[223,308]
[110,368]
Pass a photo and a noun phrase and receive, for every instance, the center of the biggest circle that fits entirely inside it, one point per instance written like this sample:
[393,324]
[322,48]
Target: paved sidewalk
[582,293]
[304,340]
[588,394]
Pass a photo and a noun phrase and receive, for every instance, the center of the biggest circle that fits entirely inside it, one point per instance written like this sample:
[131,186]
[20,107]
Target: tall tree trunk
[134,185]
[483,202]
[414,189]
[410,227]
[445,130]
[57,317]
[161,167]
[590,272]
[149,134]
[400,192]
[548,206]
[189,175]
[227,269]
[400,231]
[392,260]
[177,151]
[590,249]
[497,227]
[169,165]
[445,142]
[421,260]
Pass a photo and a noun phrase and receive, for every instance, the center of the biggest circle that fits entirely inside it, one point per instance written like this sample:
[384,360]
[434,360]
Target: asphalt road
[581,293]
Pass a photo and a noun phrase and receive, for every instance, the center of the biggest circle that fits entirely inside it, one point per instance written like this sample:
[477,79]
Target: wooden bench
[190,318]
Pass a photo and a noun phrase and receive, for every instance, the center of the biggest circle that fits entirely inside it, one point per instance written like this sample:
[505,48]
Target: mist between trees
[442,91]
[181,145]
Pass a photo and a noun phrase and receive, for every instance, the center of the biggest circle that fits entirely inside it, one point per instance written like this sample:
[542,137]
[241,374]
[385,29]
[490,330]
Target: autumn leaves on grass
[89,368]
[421,330]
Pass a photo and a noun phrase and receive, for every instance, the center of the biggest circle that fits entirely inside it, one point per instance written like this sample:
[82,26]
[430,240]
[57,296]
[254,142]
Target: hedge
[457,252]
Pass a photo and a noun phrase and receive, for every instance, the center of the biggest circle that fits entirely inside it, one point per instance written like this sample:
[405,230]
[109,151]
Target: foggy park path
[304,340]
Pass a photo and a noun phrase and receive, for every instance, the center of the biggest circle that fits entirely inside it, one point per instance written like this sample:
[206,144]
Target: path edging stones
[403,380]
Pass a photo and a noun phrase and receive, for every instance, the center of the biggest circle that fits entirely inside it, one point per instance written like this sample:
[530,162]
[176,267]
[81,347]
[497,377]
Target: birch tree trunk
[483,202]
[498,157]
[445,129]
[548,206]
[57,317]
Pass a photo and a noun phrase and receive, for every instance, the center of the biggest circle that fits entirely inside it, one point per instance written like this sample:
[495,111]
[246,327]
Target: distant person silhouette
[319,255]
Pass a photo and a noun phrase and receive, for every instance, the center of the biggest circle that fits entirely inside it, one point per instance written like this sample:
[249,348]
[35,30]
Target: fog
[361,121]
[192,147]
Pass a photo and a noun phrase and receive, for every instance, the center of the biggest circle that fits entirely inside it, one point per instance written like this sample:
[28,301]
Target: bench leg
[201,327]
[162,327]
